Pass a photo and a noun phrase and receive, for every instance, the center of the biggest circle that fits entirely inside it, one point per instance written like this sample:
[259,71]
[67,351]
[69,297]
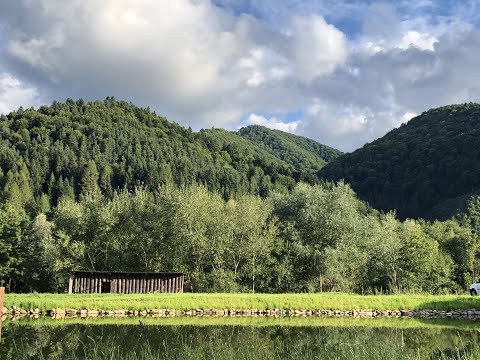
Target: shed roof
[126,272]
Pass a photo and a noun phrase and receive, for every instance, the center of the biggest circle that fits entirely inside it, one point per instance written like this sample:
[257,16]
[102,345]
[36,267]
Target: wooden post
[70,284]
[98,284]
[2,298]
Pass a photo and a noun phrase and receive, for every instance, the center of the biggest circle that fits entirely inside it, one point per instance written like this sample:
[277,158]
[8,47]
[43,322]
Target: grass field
[188,301]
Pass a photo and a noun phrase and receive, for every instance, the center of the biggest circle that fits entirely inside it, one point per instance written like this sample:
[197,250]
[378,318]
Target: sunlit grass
[187,301]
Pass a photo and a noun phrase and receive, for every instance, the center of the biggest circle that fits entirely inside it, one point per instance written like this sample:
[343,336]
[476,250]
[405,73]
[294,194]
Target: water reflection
[58,340]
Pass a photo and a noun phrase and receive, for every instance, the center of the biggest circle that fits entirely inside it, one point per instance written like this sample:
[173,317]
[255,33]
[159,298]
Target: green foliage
[422,169]
[316,238]
[17,254]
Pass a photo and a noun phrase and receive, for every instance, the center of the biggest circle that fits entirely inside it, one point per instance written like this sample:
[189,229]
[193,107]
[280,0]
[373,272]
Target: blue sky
[341,72]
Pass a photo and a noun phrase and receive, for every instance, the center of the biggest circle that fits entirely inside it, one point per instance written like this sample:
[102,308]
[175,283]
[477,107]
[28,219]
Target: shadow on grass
[460,303]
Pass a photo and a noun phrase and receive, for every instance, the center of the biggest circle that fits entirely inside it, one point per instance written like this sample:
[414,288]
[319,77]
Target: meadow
[189,301]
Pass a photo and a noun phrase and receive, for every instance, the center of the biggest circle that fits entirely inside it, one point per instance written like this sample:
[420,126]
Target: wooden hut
[91,282]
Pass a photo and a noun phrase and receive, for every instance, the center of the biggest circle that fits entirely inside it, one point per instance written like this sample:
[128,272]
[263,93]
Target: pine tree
[89,182]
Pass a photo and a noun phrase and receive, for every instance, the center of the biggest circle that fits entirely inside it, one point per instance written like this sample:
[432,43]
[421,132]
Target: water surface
[239,338]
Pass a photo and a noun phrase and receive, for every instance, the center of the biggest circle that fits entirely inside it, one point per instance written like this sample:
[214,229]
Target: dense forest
[109,186]
[427,168]
[57,150]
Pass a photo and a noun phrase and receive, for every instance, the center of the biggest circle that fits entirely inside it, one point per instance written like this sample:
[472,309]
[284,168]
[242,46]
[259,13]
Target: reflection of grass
[247,338]
[254,321]
[334,301]
[221,350]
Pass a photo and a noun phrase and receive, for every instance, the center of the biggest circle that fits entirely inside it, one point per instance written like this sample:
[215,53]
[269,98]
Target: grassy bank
[187,301]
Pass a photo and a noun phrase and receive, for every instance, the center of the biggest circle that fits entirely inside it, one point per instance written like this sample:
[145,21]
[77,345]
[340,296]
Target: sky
[340,72]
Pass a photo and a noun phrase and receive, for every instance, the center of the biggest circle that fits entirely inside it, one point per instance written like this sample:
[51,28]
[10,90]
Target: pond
[239,338]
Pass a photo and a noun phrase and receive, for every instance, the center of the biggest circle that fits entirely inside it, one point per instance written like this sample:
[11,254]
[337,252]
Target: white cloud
[14,93]
[420,40]
[343,121]
[407,117]
[272,123]
[317,47]
[263,65]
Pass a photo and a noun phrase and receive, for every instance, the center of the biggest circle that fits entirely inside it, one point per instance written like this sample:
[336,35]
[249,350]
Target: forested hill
[427,168]
[295,150]
[72,147]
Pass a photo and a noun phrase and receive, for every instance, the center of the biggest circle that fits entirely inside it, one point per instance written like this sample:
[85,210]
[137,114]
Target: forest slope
[424,169]
[296,150]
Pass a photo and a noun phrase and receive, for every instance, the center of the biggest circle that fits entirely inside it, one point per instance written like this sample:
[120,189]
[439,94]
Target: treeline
[56,150]
[427,168]
[314,238]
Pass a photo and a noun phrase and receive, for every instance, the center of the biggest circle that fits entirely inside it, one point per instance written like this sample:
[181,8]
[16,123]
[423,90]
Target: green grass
[187,301]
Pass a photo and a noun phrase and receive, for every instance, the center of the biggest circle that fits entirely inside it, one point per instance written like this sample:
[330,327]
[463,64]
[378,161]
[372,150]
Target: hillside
[65,148]
[424,169]
[296,150]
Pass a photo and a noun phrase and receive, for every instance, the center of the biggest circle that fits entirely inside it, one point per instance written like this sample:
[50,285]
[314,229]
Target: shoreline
[60,313]
[243,304]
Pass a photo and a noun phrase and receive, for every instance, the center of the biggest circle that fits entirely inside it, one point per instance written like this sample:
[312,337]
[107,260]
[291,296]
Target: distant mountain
[71,147]
[427,168]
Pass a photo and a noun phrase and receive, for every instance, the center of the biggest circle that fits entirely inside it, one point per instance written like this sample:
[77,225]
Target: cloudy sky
[340,72]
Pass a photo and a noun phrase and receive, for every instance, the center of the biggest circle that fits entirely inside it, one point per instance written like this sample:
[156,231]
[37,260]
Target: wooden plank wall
[89,283]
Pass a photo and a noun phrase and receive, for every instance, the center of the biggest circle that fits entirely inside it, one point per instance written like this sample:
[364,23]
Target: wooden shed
[91,282]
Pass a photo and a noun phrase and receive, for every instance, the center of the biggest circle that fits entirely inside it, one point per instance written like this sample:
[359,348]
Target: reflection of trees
[230,342]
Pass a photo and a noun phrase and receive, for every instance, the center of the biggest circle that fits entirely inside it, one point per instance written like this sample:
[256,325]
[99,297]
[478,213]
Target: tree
[89,182]
[14,246]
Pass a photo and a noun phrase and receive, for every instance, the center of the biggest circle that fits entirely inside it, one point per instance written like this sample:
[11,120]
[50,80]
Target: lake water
[237,338]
